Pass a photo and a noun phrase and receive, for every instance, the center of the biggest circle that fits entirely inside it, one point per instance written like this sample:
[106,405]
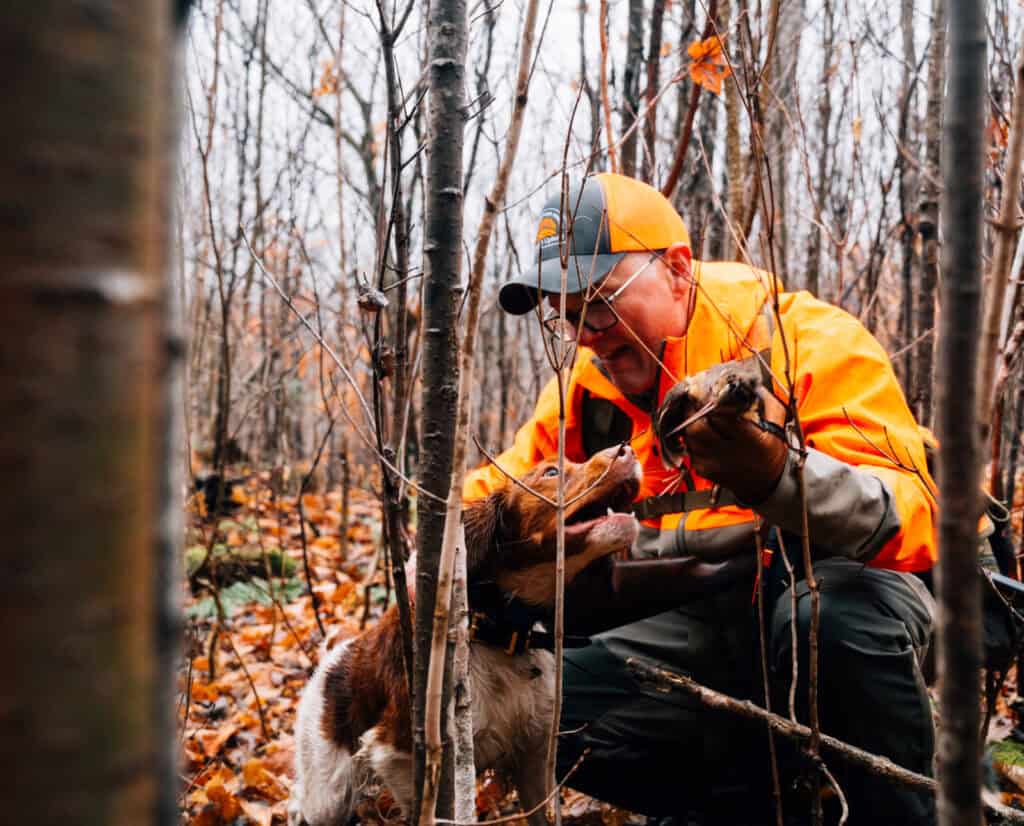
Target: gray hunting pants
[666,754]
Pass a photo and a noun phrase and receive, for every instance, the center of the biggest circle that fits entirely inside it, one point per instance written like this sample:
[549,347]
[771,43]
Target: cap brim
[520,295]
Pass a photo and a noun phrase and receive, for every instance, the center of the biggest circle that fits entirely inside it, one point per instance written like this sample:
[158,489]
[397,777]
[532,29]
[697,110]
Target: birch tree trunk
[83,178]
[442,250]
[958,586]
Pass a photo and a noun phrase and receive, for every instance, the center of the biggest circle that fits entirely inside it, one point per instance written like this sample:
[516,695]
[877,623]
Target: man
[644,317]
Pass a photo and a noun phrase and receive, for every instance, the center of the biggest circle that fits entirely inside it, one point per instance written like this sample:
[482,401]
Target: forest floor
[236,720]
[252,642]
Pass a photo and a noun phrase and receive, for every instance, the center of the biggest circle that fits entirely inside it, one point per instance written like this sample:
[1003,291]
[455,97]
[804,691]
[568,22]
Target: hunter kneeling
[653,328]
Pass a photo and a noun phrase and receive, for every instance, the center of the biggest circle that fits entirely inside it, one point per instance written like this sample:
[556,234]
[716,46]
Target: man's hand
[716,418]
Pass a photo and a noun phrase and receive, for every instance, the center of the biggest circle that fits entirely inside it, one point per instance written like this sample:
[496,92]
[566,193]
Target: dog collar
[506,622]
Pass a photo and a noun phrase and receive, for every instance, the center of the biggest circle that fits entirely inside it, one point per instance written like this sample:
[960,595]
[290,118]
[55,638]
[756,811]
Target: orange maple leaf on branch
[709,67]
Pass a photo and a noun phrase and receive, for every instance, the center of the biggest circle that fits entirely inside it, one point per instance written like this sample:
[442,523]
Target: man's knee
[859,609]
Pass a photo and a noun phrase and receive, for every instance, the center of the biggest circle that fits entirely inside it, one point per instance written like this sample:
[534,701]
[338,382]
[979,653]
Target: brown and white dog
[354,719]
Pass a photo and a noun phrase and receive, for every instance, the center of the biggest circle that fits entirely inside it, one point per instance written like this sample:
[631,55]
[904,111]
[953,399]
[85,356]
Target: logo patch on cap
[547,228]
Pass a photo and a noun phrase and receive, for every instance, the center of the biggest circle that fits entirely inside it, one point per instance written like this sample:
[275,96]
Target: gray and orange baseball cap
[608,217]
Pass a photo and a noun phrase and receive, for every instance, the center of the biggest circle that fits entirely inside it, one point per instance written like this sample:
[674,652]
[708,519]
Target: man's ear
[679,262]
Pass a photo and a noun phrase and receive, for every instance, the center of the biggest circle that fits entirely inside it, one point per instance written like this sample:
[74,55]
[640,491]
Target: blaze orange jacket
[868,491]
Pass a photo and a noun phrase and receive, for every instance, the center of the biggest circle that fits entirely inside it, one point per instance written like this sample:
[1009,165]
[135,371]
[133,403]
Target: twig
[1006,240]
[845,815]
[879,766]
[684,140]
[255,693]
[602,25]
[763,640]
[345,371]
[302,528]
[523,815]
[517,482]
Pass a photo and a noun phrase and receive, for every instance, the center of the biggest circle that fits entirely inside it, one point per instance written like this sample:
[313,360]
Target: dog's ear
[482,521]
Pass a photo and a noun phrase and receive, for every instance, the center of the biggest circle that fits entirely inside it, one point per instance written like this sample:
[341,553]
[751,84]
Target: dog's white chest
[513,700]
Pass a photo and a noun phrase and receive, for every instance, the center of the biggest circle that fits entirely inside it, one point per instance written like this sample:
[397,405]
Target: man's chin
[627,375]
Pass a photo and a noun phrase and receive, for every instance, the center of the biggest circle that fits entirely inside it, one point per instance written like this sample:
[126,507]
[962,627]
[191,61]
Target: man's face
[652,307]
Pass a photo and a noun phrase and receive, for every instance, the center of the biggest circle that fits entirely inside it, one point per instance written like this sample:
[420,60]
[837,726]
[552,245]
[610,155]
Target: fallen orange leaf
[258,813]
[213,741]
[280,756]
[204,692]
[709,67]
[208,816]
[223,799]
[258,779]
[326,543]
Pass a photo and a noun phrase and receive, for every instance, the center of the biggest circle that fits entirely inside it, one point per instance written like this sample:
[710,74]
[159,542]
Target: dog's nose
[625,451]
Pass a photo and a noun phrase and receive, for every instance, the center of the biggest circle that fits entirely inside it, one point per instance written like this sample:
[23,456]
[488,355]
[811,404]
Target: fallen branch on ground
[875,764]
[872,762]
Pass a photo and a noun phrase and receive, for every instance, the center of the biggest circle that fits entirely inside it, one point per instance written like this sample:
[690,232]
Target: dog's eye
[551,471]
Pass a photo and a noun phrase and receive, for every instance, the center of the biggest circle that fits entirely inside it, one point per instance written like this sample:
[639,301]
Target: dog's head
[512,535]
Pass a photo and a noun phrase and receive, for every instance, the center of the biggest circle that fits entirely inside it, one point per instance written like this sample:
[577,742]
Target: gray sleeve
[850,512]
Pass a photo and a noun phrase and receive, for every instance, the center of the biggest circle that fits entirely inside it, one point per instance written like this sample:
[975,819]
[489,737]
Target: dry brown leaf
[258,779]
[708,67]
[268,525]
[204,692]
[256,633]
[223,798]
[259,813]
[489,794]
[279,756]
[1015,774]
[327,543]
[213,740]
[209,815]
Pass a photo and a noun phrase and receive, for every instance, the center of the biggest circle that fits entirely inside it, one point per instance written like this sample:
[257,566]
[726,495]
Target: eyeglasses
[595,316]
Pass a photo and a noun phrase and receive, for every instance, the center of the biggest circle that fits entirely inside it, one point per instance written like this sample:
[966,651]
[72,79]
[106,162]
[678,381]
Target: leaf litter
[265,646]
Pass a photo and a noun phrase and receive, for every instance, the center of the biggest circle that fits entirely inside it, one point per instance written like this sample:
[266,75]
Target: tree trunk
[812,277]
[785,57]
[907,164]
[736,200]
[958,586]
[653,71]
[928,220]
[173,464]
[631,85]
[442,251]
[82,360]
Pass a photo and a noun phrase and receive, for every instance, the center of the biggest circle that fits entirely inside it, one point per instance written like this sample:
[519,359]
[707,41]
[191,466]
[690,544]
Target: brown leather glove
[729,426]
[613,592]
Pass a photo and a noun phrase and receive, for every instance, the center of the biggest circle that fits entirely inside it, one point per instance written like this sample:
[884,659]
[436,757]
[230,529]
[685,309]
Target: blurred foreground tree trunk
[84,177]
[958,583]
